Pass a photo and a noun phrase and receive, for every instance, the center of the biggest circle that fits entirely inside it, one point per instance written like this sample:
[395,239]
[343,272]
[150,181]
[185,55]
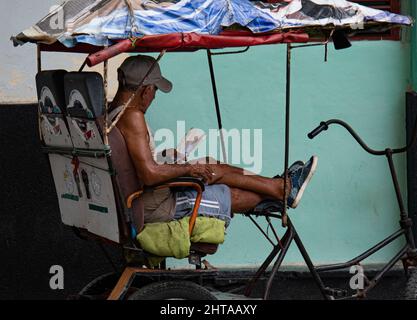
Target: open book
[189,143]
[184,148]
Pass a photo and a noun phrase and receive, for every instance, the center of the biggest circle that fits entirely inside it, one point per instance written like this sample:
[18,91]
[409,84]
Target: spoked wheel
[410,292]
[172,290]
[100,288]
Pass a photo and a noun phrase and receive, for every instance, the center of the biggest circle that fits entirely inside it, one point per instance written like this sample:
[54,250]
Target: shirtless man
[228,189]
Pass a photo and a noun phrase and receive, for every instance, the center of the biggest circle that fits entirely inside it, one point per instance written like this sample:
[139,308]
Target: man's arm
[134,129]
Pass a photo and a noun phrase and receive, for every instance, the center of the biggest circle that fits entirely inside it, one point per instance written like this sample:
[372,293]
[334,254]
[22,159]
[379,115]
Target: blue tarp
[97,22]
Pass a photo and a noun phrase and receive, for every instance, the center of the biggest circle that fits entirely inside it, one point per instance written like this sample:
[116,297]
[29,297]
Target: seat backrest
[84,97]
[84,93]
[50,89]
[92,191]
[52,108]
[91,177]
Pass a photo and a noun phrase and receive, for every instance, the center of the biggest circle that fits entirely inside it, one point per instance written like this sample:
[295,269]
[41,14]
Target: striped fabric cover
[98,22]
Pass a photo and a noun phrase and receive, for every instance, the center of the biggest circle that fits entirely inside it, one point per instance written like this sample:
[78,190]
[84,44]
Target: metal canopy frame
[407,254]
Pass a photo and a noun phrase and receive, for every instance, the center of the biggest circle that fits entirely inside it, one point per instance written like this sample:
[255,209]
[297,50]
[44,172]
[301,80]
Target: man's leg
[269,187]
[235,177]
[212,161]
[243,200]
[274,188]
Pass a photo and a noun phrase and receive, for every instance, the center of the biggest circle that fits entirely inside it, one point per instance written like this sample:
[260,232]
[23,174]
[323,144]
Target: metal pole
[278,262]
[106,116]
[82,66]
[388,267]
[405,221]
[400,201]
[287,132]
[306,257]
[363,256]
[217,105]
[266,263]
[39,67]
[39,58]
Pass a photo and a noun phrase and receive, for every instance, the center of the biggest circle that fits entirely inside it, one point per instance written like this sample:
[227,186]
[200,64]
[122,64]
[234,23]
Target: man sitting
[229,189]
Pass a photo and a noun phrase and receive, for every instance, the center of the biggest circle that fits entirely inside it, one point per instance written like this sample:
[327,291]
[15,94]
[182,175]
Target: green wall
[350,204]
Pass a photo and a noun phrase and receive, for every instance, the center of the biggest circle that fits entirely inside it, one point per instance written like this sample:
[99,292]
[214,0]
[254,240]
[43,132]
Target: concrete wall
[18,65]
[350,204]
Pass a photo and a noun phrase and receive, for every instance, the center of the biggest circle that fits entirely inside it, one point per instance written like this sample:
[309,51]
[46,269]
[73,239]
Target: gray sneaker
[300,178]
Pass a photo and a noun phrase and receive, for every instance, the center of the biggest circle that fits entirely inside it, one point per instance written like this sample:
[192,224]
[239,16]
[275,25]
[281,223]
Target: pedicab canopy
[186,25]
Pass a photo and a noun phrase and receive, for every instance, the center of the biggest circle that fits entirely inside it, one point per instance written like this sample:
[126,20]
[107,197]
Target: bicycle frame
[408,253]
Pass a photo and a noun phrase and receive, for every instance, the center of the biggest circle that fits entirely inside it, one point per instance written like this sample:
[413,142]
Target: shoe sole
[307,180]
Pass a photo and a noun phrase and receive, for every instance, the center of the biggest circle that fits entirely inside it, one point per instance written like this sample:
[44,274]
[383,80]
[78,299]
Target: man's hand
[203,171]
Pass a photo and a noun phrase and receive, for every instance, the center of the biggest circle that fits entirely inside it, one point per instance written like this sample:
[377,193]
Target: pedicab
[96,184]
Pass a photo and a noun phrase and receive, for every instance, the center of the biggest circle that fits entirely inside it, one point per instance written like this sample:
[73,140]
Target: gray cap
[134,69]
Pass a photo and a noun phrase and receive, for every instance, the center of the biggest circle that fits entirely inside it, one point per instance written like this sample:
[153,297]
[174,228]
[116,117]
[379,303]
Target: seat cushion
[172,239]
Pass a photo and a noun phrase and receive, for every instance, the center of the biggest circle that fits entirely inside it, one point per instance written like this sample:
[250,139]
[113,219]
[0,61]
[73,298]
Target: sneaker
[299,180]
[293,168]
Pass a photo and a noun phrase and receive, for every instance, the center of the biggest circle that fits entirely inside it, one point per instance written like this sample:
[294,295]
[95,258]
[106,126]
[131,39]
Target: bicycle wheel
[99,288]
[174,290]
[410,292]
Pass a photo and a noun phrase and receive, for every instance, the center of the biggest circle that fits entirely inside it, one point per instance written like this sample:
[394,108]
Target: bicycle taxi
[96,184]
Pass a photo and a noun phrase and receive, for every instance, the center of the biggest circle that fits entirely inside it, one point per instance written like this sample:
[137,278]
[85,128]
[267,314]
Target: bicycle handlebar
[325,125]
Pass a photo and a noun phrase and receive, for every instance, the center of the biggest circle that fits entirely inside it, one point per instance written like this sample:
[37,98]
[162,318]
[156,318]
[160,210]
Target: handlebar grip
[323,126]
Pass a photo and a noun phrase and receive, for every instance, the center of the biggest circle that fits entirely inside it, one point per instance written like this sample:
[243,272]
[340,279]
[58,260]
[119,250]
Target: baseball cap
[134,69]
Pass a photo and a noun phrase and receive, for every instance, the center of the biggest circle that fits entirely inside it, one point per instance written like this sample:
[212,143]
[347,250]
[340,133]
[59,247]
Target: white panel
[70,203]
[87,202]
[100,163]
[100,204]
[54,131]
[85,134]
